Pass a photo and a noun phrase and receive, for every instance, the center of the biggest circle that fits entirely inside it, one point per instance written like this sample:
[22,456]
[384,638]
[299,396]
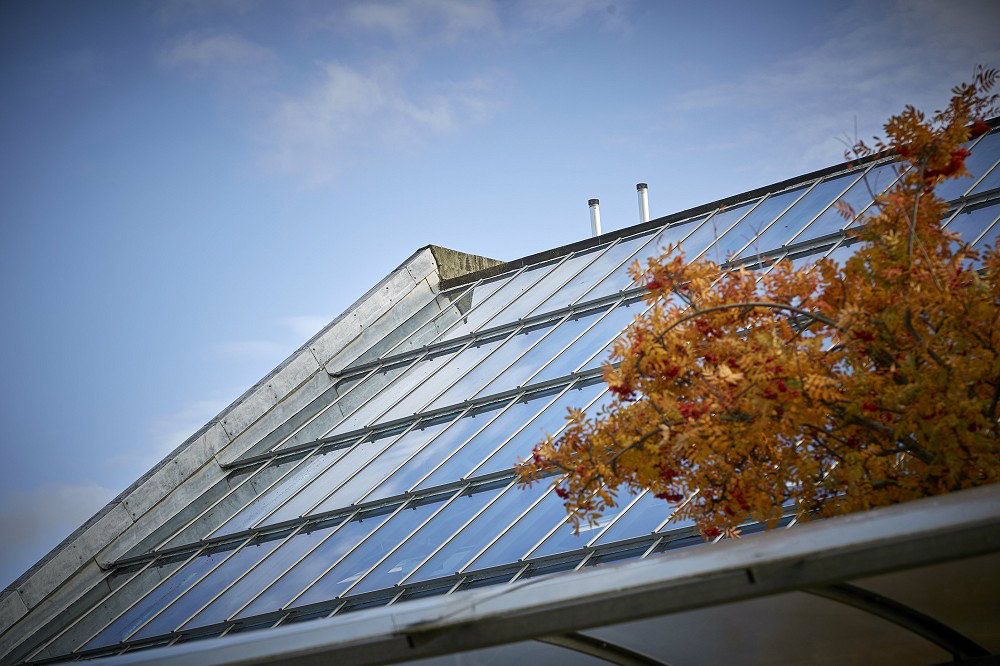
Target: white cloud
[34,521]
[547,15]
[304,327]
[429,20]
[348,113]
[216,53]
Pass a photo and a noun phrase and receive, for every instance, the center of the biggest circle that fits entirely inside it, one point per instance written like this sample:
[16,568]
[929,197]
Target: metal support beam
[595,647]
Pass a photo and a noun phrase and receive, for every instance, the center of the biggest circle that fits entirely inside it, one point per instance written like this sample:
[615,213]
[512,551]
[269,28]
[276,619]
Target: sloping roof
[375,464]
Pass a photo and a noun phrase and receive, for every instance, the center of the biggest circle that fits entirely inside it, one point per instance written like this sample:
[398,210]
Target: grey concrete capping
[78,563]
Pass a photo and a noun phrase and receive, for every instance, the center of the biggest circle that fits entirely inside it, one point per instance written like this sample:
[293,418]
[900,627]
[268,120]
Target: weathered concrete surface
[75,566]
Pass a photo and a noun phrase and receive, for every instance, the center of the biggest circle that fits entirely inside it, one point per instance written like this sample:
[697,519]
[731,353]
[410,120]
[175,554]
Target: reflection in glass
[752,224]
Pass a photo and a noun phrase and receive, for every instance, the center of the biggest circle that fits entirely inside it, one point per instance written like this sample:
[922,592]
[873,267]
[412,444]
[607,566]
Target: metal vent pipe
[595,216]
[642,189]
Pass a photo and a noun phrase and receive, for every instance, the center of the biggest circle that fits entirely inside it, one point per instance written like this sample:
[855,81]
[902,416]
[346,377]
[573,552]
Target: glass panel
[283,489]
[546,286]
[480,446]
[858,197]
[345,468]
[714,228]
[541,353]
[474,536]
[382,541]
[514,288]
[550,421]
[751,225]
[984,155]
[414,400]
[620,279]
[158,597]
[969,223]
[591,274]
[779,233]
[427,538]
[990,182]
[383,465]
[563,539]
[591,342]
[261,575]
[468,385]
[525,533]
[989,238]
[641,518]
[316,563]
[323,422]
[437,451]
[401,390]
[210,585]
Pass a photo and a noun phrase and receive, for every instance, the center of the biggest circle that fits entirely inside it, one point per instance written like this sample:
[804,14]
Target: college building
[358,504]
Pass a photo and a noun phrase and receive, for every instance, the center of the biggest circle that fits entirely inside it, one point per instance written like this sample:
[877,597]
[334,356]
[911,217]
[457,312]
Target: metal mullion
[985,231]
[439,313]
[405,539]
[985,173]
[243,575]
[780,215]
[607,312]
[353,548]
[653,236]
[440,336]
[514,434]
[517,574]
[260,522]
[605,345]
[534,284]
[94,606]
[458,582]
[505,530]
[730,228]
[333,402]
[194,554]
[462,347]
[396,598]
[569,387]
[349,478]
[457,532]
[189,587]
[981,179]
[294,564]
[861,174]
[214,504]
[253,499]
[604,529]
[656,542]
[499,413]
[555,291]
[687,500]
[551,331]
[899,176]
[339,607]
[586,558]
[368,492]
[510,336]
[377,393]
[545,536]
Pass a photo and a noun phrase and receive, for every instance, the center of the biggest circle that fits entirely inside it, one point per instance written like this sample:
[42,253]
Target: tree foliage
[833,387]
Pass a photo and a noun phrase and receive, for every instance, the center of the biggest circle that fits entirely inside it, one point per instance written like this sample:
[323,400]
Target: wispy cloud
[867,72]
[548,15]
[430,21]
[304,327]
[34,521]
[349,112]
[215,50]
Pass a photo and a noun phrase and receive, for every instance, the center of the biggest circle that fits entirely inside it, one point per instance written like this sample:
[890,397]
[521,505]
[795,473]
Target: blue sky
[190,189]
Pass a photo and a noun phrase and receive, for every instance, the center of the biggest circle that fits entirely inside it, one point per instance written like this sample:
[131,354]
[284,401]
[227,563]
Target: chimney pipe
[642,189]
[595,216]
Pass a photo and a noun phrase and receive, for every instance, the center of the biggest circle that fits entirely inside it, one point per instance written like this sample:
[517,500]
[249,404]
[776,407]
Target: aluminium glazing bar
[862,173]
[348,518]
[195,553]
[295,531]
[187,589]
[347,553]
[346,591]
[770,224]
[730,227]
